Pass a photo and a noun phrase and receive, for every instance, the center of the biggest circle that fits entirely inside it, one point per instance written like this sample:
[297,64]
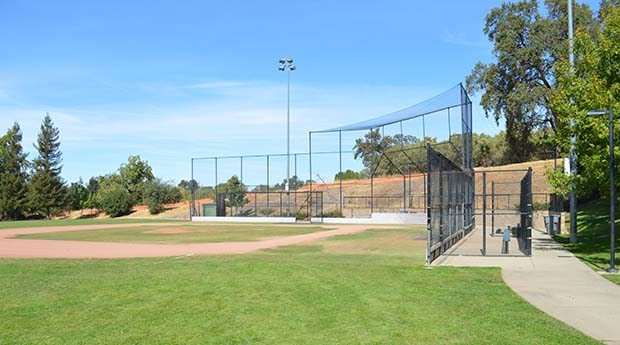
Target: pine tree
[47,189]
[13,175]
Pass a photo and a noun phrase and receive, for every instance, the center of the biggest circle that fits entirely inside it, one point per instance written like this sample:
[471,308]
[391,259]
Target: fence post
[427,205]
[492,208]
[268,208]
[441,220]
[484,213]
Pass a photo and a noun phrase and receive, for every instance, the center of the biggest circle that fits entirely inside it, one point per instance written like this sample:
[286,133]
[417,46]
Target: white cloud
[219,84]
[461,39]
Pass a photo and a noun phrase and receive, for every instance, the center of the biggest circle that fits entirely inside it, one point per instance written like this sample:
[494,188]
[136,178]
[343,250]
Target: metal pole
[573,163]
[268,208]
[427,205]
[241,159]
[484,213]
[310,160]
[441,201]
[340,171]
[492,208]
[215,188]
[288,145]
[612,195]
[309,199]
[191,186]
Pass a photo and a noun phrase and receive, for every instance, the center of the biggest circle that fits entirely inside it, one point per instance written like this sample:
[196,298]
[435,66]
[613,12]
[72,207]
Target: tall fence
[524,231]
[450,203]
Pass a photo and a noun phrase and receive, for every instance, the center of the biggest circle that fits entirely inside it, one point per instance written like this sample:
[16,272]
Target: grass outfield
[195,233]
[593,238]
[365,288]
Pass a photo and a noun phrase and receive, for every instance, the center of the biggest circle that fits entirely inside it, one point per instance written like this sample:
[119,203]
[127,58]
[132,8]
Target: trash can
[555,224]
[548,224]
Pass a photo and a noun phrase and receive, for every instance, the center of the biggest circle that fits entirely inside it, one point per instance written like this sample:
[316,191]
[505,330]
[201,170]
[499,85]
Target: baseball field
[113,282]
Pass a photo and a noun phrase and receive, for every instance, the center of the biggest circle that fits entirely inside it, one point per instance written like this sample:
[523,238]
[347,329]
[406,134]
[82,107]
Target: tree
[594,84]
[133,175]
[47,189]
[78,195]
[527,42]
[158,193]
[13,174]
[296,183]
[235,191]
[348,175]
[371,147]
[189,188]
[93,188]
[114,199]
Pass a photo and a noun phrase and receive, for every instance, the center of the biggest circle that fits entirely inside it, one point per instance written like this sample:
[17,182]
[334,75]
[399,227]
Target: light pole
[612,194]
[573,137]
[287,65]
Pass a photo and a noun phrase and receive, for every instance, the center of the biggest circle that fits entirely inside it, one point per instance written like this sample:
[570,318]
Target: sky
[171,80]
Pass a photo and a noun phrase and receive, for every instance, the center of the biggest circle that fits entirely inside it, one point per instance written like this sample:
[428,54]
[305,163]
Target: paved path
[558,283]
[11,247]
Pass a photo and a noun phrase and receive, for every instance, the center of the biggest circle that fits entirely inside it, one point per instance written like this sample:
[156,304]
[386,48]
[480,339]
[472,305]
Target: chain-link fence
[450,201]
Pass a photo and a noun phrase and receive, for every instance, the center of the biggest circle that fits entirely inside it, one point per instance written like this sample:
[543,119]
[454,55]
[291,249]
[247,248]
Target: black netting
[450,203]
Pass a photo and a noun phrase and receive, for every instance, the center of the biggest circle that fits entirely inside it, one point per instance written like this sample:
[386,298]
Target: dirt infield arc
[10,247]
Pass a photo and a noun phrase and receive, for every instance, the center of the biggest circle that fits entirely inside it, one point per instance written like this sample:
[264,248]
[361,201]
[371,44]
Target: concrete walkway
[558,283]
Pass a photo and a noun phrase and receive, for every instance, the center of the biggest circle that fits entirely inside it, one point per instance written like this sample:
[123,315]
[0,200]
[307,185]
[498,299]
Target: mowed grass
[65,222]
[366,288]
[195,233]
[593,238]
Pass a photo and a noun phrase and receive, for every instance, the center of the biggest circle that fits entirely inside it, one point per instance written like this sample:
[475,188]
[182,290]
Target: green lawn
[64,222]
[216,233]
[367,288]
[593,237]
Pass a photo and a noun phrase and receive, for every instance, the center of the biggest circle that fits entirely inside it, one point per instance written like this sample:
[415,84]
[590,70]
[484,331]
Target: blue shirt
[506,235]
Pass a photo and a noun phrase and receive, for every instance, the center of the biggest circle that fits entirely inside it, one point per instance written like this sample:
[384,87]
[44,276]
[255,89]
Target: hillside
[388,192]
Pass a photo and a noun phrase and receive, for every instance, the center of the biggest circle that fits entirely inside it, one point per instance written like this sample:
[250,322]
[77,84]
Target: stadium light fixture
[287,65]
[612,196]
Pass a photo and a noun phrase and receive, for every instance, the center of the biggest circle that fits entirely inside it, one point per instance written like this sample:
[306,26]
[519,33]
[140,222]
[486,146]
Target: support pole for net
[191,186]
[340,169]
[268,208]
[309,199]
[484,213]
[492,208]
[215,187]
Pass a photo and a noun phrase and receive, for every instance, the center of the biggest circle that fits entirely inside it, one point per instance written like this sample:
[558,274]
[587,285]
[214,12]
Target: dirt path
[11,247]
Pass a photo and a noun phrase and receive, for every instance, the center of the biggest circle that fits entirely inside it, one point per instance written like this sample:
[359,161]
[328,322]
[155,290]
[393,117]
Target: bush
[115,201]
[157,193]
[333,214]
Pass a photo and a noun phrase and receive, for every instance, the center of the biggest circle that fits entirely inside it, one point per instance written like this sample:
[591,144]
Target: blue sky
[170,80]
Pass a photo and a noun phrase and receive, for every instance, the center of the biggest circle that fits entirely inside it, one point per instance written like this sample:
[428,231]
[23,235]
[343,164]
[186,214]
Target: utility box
[209,209]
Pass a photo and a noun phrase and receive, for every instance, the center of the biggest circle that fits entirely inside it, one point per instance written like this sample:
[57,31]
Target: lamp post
[287,65]
[612,194]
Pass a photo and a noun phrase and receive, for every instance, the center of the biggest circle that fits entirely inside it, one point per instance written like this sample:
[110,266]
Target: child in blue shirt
[506,241]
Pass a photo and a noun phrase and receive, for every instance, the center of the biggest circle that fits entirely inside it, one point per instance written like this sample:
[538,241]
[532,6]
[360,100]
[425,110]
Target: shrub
[114,200]
[157,193]
[333,214]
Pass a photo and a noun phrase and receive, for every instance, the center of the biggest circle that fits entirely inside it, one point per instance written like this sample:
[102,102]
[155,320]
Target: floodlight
[292,68]
[282,61]
[289,60]
[281,68]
